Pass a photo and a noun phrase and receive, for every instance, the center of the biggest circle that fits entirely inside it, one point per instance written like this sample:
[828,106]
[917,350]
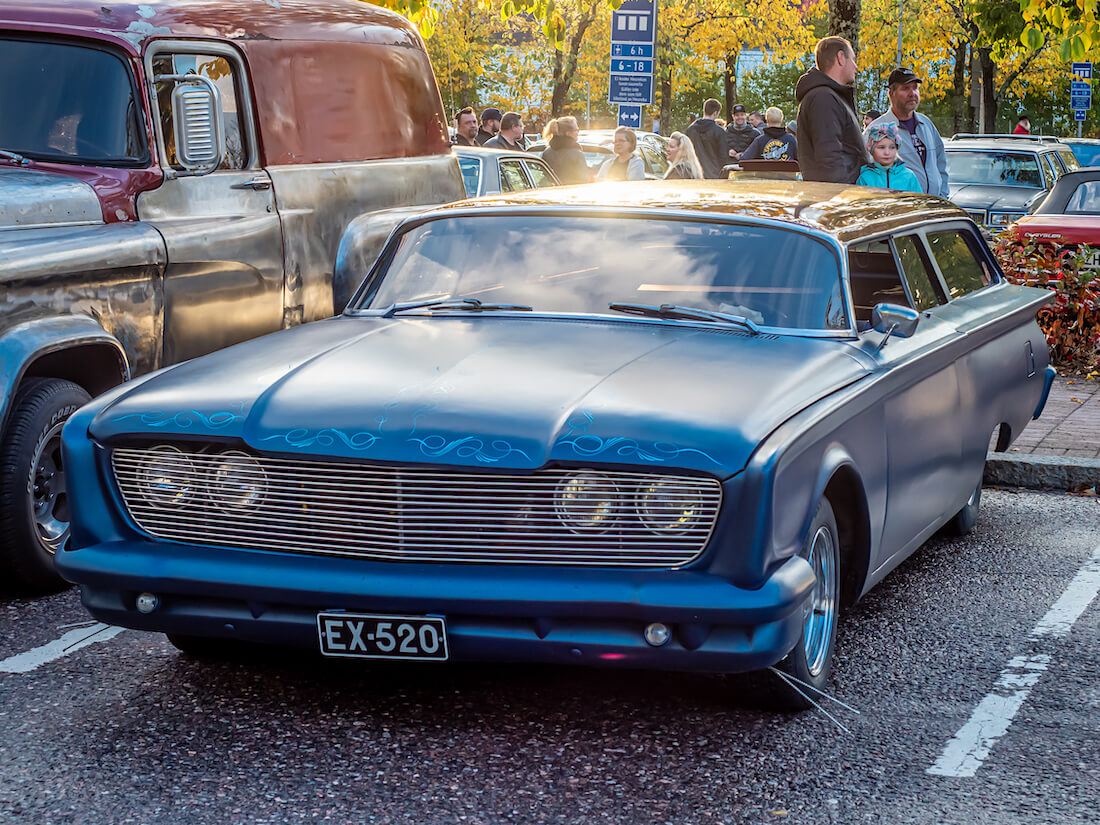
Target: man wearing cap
[920,146]
[510,136]
[870,116]
[490,126]
[830,146]
[739,134]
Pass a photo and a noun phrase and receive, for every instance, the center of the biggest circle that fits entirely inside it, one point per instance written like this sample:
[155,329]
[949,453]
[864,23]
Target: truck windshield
[68,103]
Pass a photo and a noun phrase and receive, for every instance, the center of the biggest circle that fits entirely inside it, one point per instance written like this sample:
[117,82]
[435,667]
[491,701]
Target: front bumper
[493,613]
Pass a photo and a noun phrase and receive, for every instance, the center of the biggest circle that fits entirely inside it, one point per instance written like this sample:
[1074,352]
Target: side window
[539,174]
[1054,169]
[222,73]
[874,278]
[1069,160]
[917,271]
[1085,199]
[962,270]
[657,163]
[471,175]
[512,178]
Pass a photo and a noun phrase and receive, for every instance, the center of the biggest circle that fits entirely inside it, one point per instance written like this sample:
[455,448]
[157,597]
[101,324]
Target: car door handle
[256,184]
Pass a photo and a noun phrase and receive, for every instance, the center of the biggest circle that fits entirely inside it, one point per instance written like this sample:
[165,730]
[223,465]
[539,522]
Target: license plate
[367,636]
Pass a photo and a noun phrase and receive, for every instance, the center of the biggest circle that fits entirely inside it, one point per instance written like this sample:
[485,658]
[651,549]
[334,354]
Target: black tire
[34,505]
[963,522]
[811,660]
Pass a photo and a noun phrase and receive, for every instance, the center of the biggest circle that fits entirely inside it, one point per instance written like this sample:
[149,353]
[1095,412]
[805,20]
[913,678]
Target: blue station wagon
[669,425]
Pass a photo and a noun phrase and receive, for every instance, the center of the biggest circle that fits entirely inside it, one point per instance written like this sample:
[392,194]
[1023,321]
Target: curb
[1041,471]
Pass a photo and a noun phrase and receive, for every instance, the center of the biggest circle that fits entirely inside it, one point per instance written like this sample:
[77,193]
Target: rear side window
[539,175]
[1085,199]
[915,268]
[962,270]
[1069,160]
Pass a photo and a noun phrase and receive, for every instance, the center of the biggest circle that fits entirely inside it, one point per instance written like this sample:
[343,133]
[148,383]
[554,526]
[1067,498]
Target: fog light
[657,634]
[147,603]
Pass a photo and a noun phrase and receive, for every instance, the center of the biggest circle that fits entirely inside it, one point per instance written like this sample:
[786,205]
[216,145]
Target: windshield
[580,264]
[998,168]
[67,103]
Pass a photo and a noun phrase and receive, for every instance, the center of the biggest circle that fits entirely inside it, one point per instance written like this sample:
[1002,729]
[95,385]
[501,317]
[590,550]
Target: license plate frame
[362,636]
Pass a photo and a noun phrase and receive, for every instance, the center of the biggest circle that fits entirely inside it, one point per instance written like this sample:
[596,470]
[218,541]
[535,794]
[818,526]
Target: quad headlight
[587,500]
[665,507]
[237,482]
[167,477]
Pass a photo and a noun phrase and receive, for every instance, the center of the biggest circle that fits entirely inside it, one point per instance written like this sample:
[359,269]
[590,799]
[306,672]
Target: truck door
[224,280]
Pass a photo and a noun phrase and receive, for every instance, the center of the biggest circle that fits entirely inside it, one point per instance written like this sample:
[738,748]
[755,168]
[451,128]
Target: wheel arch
[75,348]
[843,486]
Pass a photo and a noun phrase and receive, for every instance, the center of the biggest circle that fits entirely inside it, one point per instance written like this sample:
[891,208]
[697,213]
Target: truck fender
[47,347]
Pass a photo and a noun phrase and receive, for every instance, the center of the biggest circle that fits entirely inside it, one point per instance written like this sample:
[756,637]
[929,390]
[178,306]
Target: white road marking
[69,643]
[990,720]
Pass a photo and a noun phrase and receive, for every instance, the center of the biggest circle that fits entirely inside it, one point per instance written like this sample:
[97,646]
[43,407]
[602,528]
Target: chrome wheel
[49,495]
[817,632]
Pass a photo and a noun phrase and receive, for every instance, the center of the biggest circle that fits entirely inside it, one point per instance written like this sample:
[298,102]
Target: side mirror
[894,319]
[197,119]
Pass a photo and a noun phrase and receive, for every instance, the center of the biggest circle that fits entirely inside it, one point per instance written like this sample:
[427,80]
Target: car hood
[493,392]
[987,196]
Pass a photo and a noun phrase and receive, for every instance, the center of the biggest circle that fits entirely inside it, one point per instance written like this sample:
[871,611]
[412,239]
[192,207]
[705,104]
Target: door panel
[224,280]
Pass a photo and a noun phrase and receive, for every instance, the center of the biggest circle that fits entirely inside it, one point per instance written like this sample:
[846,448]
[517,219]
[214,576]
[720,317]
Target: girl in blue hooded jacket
[886,170]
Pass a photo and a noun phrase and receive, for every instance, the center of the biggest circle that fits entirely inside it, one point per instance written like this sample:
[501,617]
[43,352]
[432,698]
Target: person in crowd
[886,170]
[709,140]
[774,143]
[466,127]
[623,165]
[739,134]
[920,144]
[830,146]
[683,162]
[563,154]
[510,136]
[757,121]
[1023,126]
[792,128]
[490,126]
[870,116]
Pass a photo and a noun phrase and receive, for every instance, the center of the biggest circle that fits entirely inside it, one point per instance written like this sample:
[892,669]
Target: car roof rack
[1036,138]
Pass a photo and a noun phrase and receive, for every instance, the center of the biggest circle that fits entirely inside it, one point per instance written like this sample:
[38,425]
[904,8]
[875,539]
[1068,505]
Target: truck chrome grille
[415,514]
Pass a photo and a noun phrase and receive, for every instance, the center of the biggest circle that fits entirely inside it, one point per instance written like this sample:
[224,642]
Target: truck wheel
[34,502]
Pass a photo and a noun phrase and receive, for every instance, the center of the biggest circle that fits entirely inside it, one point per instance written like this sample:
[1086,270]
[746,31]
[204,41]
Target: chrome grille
[413,514]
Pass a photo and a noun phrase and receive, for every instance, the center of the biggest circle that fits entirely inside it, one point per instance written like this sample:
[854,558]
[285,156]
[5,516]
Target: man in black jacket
[739,134]
[709,140]
[830,141]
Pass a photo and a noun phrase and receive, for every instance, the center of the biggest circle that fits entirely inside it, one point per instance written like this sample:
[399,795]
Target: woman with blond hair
[563,154]
[683,162]
[623,165]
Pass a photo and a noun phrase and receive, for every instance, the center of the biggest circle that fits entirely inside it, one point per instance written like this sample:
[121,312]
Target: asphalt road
[966,634]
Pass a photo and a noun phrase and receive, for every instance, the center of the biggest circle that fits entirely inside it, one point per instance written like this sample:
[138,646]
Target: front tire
[811,660]
[34,501]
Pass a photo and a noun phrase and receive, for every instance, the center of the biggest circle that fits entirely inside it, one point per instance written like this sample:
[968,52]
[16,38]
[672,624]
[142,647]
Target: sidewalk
[1062,448]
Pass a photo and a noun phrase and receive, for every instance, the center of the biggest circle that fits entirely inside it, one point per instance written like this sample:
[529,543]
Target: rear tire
[34,501]
[963,522]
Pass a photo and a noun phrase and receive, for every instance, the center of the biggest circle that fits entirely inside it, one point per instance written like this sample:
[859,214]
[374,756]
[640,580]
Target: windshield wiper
[15,157]
[464,304]
[687,313]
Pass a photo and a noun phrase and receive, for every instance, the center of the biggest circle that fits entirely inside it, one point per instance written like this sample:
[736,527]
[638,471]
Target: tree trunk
[989,91]
[565,63]
[844,20]
[666,97]
[960,117]
[729,83]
